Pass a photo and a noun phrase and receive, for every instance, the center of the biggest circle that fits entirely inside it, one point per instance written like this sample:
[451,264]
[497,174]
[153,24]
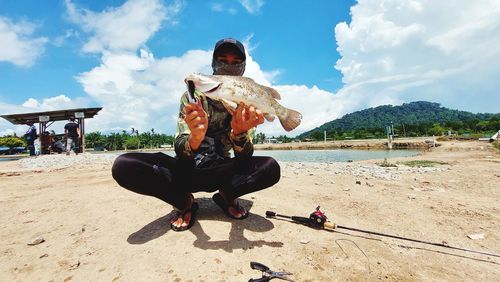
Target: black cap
[226,44]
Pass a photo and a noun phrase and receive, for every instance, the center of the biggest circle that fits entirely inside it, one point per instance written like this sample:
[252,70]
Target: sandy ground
[96,231]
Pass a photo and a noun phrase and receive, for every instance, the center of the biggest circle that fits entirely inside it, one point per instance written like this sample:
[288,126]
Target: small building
[47,118]
[271,141]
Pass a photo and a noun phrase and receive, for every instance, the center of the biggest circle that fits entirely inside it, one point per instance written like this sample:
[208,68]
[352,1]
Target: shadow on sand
[210,211]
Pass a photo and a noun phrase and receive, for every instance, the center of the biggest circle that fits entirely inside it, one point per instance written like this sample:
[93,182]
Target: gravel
[63,161]
[359,170]
[289,168]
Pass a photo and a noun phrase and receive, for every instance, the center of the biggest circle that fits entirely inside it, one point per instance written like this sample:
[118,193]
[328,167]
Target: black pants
[31,148]
[170,180]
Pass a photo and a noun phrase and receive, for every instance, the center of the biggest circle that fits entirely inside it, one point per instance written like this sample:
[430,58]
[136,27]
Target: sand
[93,230]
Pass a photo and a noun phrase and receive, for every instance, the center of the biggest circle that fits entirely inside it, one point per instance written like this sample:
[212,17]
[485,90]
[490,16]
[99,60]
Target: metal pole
[392,131]
[42,130]
[389,141]
[39,137]
[82,137]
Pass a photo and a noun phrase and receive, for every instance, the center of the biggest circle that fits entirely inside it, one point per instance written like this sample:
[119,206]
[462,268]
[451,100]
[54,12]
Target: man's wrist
[237,132]
[238,138]
[194,143]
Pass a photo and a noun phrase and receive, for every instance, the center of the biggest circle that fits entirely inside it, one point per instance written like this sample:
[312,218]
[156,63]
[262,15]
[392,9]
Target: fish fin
[291,120]
[247,79]
[273,92]
[270,90]
[269,117]
[229,105]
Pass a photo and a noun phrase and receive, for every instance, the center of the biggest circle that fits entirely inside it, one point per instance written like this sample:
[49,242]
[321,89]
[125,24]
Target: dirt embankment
[413,143]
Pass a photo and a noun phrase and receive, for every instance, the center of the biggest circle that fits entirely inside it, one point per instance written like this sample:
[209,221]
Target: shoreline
[367,144]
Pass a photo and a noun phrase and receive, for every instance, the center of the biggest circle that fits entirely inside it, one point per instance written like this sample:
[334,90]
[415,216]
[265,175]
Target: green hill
[412,119]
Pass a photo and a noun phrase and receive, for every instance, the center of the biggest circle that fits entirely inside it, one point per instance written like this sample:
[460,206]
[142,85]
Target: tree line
[111,142]
[410,120]
[129,141]
[463,128]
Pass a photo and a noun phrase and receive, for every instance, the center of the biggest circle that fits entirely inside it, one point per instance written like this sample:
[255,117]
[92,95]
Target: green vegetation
[423,163]
[414,163]
[496,144]
[124,140]
[386,163]
[261,138]
[408,120]
[12,141]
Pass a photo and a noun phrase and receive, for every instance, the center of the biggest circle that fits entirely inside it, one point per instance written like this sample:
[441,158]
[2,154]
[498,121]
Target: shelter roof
[53,115]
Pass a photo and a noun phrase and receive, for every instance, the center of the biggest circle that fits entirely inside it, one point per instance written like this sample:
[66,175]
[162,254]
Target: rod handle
[270,214]
[329,225]
[301,219]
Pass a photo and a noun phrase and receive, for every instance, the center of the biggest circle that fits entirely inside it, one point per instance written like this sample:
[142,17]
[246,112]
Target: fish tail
[290,120]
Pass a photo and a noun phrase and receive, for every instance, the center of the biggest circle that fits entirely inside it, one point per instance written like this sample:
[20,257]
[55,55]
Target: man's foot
[185,218]
[231,208]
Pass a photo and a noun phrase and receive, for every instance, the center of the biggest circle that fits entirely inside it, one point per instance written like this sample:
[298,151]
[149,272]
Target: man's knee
[274,170]
[121,168]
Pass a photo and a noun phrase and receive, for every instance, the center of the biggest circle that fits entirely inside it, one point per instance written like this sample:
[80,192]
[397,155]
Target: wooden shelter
[46,119]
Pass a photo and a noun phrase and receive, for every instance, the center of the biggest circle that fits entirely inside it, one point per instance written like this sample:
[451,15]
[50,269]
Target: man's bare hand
[245,118]
[197,121]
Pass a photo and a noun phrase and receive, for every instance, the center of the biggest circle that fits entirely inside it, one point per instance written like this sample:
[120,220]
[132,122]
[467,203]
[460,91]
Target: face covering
[222,68]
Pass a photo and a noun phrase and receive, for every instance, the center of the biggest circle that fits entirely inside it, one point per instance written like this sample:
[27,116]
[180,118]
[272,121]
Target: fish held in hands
[232,90]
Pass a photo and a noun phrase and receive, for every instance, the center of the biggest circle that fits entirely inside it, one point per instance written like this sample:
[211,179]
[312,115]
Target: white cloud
[61,39]
[314,104]
[139,91]
[439,51]
[220,8]
[125,28]
[19,46]
[252,6]
[33,105]
[54,103]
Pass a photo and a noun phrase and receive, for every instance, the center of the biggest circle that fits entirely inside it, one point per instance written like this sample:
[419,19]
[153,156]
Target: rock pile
[359,170]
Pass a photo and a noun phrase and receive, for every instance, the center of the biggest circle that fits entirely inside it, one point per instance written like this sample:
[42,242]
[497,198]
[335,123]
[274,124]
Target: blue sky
[327,58]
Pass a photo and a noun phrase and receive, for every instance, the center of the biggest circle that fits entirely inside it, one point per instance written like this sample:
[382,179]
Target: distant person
[57,145]
[206,133]
[72,134]
[30,137]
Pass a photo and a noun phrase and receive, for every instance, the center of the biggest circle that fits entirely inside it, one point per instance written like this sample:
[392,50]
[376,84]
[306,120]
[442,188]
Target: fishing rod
[319,220]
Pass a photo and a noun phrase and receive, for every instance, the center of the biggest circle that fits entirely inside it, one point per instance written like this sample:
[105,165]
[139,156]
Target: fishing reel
[317,219]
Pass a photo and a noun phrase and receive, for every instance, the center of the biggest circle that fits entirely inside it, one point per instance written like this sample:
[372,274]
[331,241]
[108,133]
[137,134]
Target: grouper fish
[232,90]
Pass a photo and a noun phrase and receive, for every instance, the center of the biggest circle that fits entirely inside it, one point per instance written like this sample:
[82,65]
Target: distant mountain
[414,113]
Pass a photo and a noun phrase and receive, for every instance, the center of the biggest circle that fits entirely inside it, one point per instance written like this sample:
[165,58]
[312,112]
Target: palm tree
[152,139]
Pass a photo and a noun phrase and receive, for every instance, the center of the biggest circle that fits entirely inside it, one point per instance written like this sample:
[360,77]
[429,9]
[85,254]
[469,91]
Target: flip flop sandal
[193,209]
[225,207]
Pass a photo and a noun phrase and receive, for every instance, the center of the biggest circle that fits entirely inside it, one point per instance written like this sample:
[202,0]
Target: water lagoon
[2,159]
[340,155]
[333,155]
[319,156]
